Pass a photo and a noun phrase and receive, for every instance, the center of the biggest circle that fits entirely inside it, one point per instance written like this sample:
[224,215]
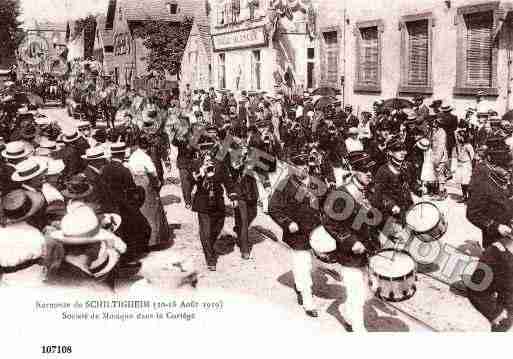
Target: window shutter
[479,49]
[332,58]
[332,51]
[418,49]
[369,56]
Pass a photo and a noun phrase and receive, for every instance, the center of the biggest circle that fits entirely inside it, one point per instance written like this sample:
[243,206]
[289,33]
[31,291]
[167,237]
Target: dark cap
[395,143]
[299,159]
[361,161]
[436,104]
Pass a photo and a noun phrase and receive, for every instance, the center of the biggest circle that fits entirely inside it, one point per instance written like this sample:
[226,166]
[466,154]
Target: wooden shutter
[369,56]
[479,49]
[418,51]
[332,51]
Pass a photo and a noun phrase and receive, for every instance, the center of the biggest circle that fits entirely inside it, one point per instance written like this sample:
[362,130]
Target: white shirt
[141,163]
[353,145]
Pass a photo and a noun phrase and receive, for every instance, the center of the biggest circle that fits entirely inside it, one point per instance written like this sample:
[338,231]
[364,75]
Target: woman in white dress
[145,174]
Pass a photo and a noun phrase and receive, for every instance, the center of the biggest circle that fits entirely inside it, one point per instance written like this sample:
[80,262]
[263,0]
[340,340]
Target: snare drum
[426,222]
[392,275]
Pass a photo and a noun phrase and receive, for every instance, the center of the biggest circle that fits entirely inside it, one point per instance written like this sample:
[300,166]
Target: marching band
[357,186]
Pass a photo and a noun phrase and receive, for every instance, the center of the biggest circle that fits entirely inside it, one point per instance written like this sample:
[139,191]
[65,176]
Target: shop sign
[240,39]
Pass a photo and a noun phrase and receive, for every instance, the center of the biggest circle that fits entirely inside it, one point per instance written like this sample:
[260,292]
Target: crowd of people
[89,195]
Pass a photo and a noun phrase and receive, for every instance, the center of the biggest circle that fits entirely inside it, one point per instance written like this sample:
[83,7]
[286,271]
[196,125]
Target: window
[479,49]
[416,54]
[172,8]
[332,52]
[310,68]
[368,56]
[222,71]
[476,51]
[256,71]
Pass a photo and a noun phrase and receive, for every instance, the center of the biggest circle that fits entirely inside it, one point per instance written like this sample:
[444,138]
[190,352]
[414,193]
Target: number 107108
[56,349]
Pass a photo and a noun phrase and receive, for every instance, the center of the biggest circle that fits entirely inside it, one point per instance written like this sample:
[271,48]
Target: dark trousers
[486,303]
[245,213]
[210,225]
[186,182]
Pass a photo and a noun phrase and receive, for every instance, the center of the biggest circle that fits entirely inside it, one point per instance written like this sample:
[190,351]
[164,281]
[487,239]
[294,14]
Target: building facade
[446,50]
[130,56]
[103,49]
[264,45]
[196,65]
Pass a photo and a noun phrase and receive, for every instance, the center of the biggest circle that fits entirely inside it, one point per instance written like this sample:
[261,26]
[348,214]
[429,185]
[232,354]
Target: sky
[57,10]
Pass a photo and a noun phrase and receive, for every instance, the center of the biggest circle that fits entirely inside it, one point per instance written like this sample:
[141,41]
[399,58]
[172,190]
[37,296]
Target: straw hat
[19,205]
[80,226]
[119,147]
[70,135]
[16,150]
[423,144]
[30,168]
[95,153]
[55,167]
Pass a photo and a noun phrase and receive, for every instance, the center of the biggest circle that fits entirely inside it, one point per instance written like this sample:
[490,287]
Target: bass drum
[392,275]
[426,222]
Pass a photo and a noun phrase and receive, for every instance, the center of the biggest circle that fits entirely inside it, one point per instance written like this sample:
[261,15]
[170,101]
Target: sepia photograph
[256,171]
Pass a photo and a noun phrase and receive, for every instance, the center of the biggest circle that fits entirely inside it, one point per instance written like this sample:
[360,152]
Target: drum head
[392,264]
[423,217]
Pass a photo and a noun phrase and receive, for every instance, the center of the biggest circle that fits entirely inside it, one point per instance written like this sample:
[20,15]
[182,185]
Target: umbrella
[324,102]
[508,116]
[326,91]
[397,103]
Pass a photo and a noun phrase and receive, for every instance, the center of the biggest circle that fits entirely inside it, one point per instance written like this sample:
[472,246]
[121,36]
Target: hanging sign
[254,37]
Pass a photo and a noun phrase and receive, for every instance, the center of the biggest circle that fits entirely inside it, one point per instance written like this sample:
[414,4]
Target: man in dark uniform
[392,193]
[296,210]
[492,295]
[244,179]
[490,207]
[353,243]
[210,178]
[184,159]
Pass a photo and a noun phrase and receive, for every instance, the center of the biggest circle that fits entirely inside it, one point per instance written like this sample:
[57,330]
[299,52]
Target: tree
[166,43]
[11,34]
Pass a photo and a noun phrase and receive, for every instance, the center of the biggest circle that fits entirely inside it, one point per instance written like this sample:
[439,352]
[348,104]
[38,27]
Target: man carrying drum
[352,235]
[392,193]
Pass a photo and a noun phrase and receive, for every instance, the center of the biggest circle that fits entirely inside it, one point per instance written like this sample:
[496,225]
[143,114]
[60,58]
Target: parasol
[397,103]
[326,91]
[508,116]
[324,102]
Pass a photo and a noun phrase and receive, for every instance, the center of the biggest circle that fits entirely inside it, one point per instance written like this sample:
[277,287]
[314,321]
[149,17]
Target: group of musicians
[348,175]
[384,179]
